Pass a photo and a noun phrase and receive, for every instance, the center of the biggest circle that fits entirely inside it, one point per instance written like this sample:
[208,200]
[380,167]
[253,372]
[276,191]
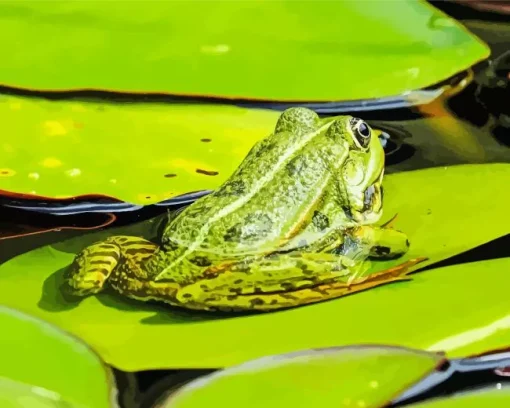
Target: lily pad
[271,50]
[57,160]
[44,367]
[141,153]
[16,395]
[485,398]
[363,376]
[436,207]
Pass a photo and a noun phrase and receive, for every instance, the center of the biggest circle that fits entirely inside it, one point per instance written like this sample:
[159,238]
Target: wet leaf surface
[411,313]
[63,149]
[160,49]
[44,367]
[363,376]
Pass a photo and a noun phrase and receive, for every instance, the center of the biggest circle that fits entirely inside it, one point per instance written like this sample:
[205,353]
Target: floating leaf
[436,207]
[479,399]
[141,153]
[363,376]
[276,50]
[44,367]
[16,395]
[55,151]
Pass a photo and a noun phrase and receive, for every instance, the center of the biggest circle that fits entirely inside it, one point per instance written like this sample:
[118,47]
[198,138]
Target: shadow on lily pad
[54,300]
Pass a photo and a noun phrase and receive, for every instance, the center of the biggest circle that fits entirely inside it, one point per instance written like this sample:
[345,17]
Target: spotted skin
[315,277]
[291,226]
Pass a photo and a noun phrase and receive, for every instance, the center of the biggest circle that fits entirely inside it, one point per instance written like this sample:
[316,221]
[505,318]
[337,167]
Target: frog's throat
[372,202]
[266,178]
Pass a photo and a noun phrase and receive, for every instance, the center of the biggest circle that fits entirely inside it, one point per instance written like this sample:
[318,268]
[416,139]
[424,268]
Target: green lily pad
[273,50]
[16,395]
[436,207]
[141,153]
[479,399]
[348,377]
[44,367]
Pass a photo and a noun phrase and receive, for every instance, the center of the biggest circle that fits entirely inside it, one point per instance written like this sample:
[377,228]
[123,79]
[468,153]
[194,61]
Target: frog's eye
[361,132]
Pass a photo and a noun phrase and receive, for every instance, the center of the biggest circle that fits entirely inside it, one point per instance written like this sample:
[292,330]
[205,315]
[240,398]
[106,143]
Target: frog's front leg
[384,243]
[114,260]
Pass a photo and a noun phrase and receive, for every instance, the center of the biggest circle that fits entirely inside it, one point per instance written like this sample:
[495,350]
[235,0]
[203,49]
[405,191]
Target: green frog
[291,226]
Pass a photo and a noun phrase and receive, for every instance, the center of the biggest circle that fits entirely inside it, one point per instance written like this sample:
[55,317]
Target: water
[458,131]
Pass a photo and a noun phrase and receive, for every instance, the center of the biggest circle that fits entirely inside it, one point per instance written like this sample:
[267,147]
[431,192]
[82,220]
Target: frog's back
[264,201]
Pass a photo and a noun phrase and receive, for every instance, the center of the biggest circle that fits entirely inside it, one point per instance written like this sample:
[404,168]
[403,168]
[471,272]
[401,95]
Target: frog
[294,224]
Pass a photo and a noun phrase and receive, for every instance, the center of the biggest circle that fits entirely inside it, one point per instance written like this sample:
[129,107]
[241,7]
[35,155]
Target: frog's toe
[297,119]
[90,269]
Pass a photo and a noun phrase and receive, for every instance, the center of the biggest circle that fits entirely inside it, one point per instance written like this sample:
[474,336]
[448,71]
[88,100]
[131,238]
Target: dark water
[420,138]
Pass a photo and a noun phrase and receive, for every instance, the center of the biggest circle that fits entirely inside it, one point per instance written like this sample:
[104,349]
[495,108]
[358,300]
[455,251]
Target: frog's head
[362,168]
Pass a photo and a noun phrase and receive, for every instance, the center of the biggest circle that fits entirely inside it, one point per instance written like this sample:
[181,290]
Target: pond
[82,165]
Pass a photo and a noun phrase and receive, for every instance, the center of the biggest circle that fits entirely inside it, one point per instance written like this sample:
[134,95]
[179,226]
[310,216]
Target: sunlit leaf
[277,50]
[479,399]
[338,377]
[44,367]
[436,207]
[141,153]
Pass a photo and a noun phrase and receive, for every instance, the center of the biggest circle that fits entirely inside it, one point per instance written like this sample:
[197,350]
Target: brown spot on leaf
[205,140]
[170,175]
[207,172]
[7,172]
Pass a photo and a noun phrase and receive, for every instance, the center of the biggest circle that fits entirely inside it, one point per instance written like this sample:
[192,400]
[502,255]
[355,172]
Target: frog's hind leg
[331,290]
[285,281]
[115,258]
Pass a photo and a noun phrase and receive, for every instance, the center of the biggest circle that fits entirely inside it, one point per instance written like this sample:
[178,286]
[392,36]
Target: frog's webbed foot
[384,243]
[94,265]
